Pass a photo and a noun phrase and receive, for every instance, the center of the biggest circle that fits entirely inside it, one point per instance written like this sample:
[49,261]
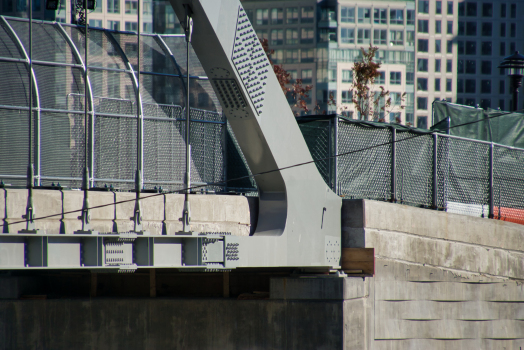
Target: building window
[364,15]
[437,65]
[347,97]
[422,103]
[512,30]
[381,79]
[396,98]
[96,23]
[278,56]
[347,15]
[292,56]
[460,66]
[395,78]
[502,87]
[450,7]
[380,16]
[262,16]
[422,84]
[438,27]
[422,122]
[307,36]
[485,103]
[113,6]
[503,29]
[460,47]
[422,65]
[131,26]
[277,16]
[460,86]
[262,34]
[449,66]
[396,17]
[501,104]
[487,10]
[131,6]
[471,67]
[485,67]
[291,36]
[450,46]
[438,7]
[332,75]
[470,102]
[485,86]
[308,55]
[410,17]
[307,76]
[450,27]
[449,85]
[470,86]
[363,36]
[471,9]
[380,36]
[347,35]
[307,14]
[292,15]
[423,45]
[410,78]
[513,11]
[423,26]
[502,50]
[502,10]
[410,38]
[462,9]
[113,25]
[423,6]
[486,29]
[437,84]
[462,30]
[347,76]
[471,47]
[396,37]
[277,37]
[512,47]
[437,46]
[471,28]
[486,48]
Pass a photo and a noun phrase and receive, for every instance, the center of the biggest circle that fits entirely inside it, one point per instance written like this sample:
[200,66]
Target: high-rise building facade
[459,46]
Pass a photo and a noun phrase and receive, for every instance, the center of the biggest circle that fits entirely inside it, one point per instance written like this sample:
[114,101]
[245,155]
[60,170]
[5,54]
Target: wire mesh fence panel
[60,87]
[14,146]
[207,152]
[50,45]
[317,135]
[508,186]
[236,165]
[177,45]
[443,145]
[414,165]
[16,92]
[466,177]
[153,58]
[164,154]
[8,46]
[115,151]
[62,148]
[160,90]
[113,92]
[366,173]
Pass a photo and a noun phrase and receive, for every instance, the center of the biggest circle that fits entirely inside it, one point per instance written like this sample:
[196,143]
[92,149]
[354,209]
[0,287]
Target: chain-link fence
[420,168]
[135,116]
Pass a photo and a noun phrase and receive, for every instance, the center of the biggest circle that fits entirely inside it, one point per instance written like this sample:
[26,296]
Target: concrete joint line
[452,270]
[447,240]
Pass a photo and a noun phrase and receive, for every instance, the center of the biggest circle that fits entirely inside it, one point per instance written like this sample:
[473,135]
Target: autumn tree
[299,91]
[369,101]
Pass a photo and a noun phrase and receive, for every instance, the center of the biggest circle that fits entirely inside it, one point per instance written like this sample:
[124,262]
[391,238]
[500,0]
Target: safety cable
[221,183]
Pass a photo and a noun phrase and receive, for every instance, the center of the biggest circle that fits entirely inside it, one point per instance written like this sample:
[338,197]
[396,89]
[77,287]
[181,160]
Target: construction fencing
[416,167]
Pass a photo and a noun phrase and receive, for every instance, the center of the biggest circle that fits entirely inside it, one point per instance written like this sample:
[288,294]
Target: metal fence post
[434,195]
[335,158]
[490,180]
[393,164]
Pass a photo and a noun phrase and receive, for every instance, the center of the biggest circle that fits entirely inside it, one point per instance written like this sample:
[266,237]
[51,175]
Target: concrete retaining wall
[161,213]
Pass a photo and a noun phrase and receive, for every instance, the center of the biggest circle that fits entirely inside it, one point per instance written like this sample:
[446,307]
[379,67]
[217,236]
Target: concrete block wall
[442,281]
[161,213]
